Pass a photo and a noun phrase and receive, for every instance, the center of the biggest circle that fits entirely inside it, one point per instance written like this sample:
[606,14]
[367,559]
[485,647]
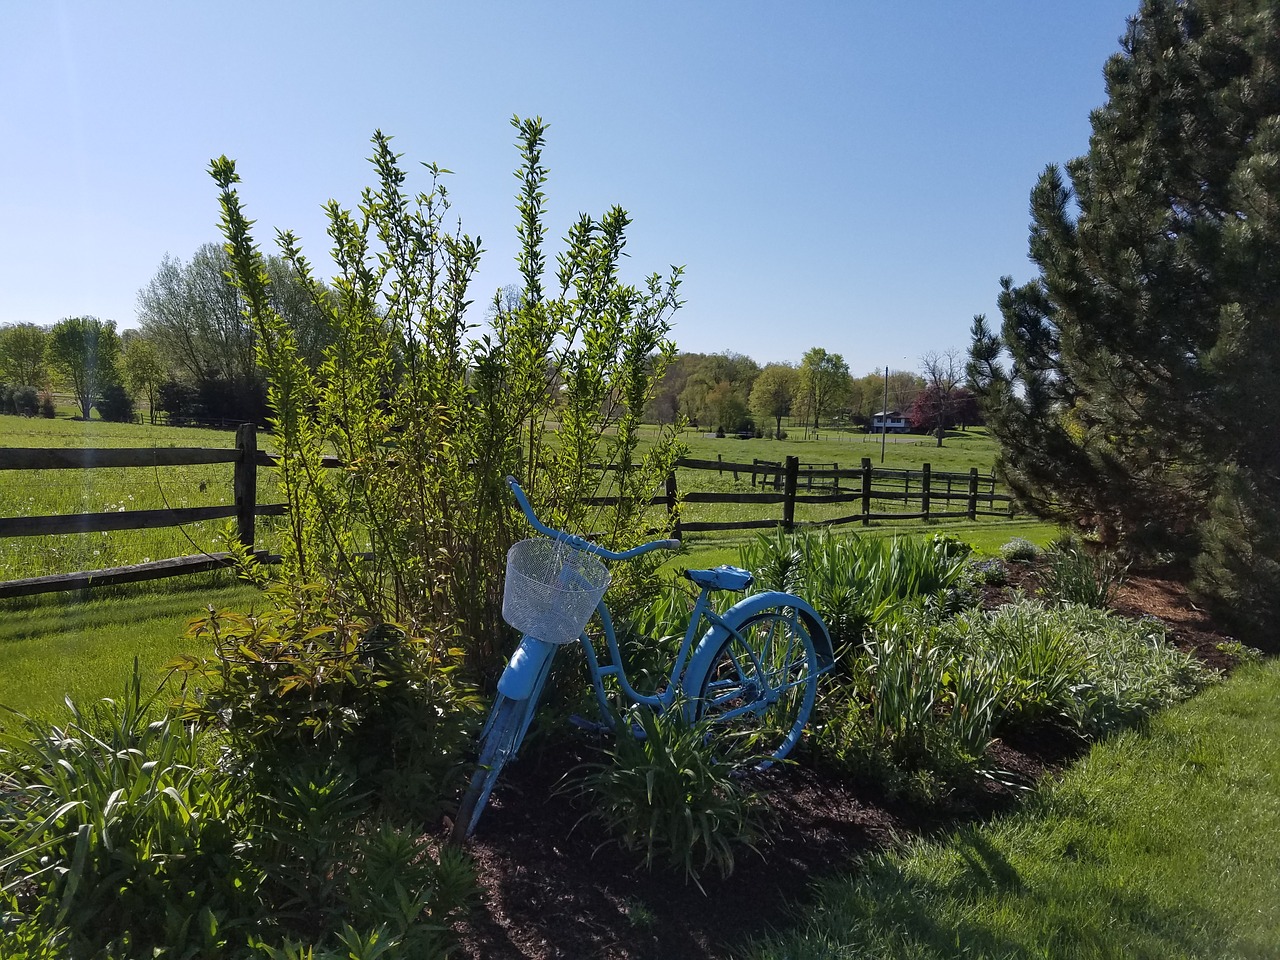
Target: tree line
[731,393]
[192,360]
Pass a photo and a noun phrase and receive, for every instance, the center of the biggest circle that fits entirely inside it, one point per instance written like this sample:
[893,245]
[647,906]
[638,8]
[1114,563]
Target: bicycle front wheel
[500,743]
[760,687]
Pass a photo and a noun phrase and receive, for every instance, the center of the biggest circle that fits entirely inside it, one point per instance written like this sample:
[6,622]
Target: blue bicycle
[753,671]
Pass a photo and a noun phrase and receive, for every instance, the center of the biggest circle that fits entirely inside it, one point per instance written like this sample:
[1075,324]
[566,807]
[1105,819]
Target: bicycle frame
[521,683]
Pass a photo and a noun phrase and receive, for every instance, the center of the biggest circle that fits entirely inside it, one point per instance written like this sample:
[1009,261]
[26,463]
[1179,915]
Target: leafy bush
[121,838]
[1074,575]
[1019,550]
[302,680]
[990,572]
[26,401]
[919,709]
[47,408]
[1131,670]
[916,714]
[1037,661]
[328,867]
[666,795]
[429,420]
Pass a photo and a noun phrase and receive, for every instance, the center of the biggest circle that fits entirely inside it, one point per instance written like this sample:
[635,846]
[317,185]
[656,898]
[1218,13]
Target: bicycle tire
[760,687]
[500,743]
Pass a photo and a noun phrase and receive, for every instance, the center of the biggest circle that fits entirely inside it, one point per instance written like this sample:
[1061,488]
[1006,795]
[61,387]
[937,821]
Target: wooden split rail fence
[791,481]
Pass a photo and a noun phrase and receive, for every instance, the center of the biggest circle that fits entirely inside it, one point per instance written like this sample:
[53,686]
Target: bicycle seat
[722,577]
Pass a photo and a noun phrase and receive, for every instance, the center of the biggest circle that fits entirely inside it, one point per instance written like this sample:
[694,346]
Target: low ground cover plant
[925,699]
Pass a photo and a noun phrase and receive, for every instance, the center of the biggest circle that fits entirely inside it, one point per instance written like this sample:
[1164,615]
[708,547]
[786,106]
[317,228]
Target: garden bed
[552,886]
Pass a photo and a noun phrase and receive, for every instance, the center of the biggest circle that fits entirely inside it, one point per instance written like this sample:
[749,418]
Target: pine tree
[1141,399]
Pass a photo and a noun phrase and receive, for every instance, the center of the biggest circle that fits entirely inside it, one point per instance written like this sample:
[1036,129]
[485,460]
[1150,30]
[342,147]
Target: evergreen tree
[1141,399]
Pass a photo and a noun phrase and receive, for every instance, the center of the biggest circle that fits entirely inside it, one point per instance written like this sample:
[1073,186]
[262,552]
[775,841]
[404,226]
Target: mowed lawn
[1163,843]
[60,647]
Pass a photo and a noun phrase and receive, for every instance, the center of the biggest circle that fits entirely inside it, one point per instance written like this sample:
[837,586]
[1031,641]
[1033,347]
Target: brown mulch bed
[552,887]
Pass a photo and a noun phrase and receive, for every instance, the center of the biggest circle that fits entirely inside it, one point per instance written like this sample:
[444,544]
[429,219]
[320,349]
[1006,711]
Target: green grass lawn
[53,492]
[59,647]
[1161,844]
[35,493]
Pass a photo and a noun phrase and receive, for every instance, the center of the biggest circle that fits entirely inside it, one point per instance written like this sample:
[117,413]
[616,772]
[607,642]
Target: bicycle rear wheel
[760,686]
[500,743]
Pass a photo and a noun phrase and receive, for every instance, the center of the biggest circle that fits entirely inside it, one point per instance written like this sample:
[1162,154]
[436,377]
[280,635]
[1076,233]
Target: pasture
[27,493]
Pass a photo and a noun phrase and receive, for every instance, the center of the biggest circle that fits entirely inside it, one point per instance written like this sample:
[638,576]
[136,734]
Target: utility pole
[884,413]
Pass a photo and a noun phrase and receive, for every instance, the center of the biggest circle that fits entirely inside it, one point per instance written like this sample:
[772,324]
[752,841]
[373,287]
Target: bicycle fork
[519,689]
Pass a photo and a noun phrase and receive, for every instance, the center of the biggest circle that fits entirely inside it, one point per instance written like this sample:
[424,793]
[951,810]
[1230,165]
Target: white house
[890,421]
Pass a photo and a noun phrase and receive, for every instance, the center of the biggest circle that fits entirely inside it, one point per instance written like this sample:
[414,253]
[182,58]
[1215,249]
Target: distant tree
[773,394]
[1141,396]
[666,405]
[191,315]
[142,368]
[943,374]
[718,385]
[115,405]
[965,409]
[22,361]
[84,351]
[823,381]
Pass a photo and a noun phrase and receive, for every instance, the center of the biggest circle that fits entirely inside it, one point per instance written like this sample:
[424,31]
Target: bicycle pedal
[591,726]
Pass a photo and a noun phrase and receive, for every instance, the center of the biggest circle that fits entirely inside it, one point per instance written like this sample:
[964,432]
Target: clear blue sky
[852,175]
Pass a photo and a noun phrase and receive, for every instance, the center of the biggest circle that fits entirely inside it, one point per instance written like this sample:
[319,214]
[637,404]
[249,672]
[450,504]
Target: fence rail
[863,485]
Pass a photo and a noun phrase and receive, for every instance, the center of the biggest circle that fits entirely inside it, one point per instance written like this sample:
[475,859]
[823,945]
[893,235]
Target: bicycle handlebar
[579,542]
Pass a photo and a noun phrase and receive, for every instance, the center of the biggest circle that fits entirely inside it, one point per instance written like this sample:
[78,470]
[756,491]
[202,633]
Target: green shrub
[121,838]
[1019,550]
[854,582]
[666,795]
[116,405]
[327,865]
[1131,670]
[916,714]
[990,572]
[301,680]
[1093,669]
[429,419]
[26,401]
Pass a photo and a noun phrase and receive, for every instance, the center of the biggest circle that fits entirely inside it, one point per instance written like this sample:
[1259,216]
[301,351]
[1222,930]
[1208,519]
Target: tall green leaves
[428,415]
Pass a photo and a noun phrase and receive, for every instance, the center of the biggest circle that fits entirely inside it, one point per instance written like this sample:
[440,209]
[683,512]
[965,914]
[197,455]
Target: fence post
[866,490]
[926,477]
[789,494]
[671,503]
[245,483]
[973,493]
[835,478]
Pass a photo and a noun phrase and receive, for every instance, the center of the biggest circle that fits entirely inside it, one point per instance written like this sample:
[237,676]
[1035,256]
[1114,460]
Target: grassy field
[49,492]
[56,646]
[1161,844]
[26,493]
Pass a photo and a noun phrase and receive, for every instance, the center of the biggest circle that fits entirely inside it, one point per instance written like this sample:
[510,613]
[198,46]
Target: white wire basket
[551,589]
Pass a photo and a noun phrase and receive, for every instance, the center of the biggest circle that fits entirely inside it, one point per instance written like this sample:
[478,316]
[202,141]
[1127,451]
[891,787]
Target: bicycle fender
[525,667]
[741,611]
